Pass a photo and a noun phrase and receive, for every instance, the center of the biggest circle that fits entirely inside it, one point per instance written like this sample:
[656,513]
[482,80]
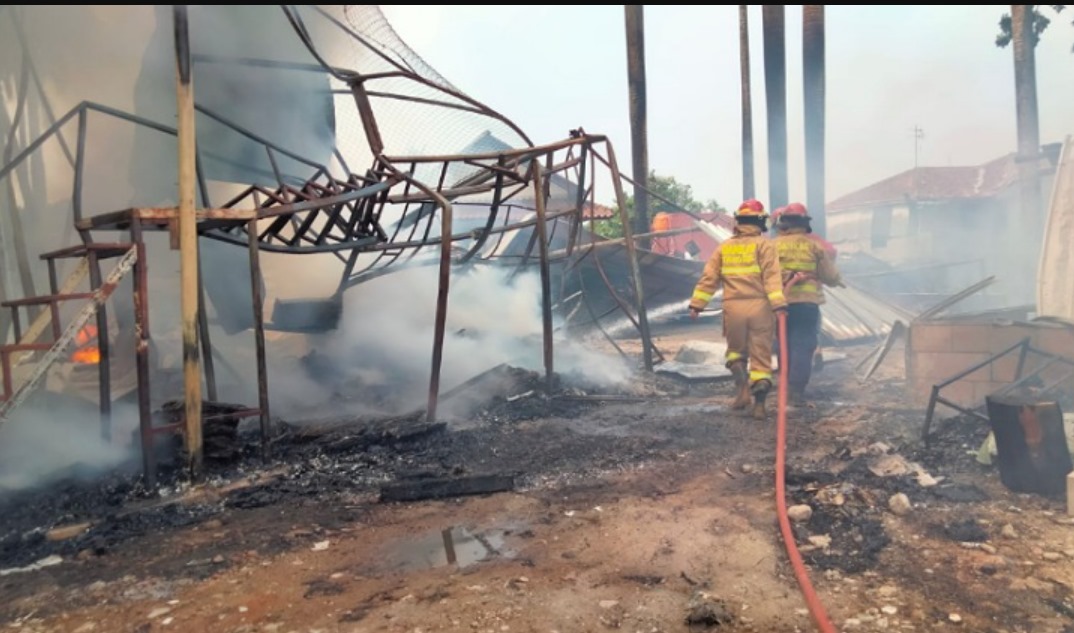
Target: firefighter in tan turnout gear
[747,266]
[806,267]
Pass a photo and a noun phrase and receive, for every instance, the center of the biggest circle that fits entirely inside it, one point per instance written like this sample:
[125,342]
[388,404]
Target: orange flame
[86,354]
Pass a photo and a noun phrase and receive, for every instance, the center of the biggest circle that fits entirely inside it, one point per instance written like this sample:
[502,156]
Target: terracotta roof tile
[932,184]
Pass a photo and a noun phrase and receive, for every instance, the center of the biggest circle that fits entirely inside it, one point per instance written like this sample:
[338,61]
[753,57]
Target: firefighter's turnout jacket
[747,266]
[802,255]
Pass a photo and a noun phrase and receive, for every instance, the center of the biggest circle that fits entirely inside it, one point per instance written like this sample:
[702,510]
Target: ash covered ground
[679,493]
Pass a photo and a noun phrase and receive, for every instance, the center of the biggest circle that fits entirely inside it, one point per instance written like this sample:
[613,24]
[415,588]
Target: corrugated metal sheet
[1055,279]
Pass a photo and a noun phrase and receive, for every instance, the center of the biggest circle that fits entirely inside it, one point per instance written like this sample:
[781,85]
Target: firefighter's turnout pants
[749,327]
[803,323]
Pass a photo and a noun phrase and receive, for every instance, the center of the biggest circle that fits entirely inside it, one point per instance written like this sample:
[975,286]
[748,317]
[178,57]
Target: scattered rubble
[899,504]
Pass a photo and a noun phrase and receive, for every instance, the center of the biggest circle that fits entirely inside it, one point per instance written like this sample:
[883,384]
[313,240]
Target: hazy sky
[889,68]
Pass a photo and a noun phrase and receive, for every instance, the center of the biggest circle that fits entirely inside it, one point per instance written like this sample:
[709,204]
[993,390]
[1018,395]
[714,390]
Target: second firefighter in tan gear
[747,267]
[807,267]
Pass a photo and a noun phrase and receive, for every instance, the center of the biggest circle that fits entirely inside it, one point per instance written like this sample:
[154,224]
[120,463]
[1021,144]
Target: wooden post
[546,285]
[188,241]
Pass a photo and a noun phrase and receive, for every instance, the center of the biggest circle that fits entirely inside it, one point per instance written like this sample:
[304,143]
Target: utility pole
[188,241]
[813,100]
[639,134]
[747,102]
[775,79]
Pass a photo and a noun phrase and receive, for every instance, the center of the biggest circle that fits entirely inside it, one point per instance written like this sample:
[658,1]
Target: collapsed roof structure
[320,137]
[319,133]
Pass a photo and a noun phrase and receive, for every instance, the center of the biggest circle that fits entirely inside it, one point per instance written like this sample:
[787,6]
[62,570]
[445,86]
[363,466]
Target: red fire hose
[816,609]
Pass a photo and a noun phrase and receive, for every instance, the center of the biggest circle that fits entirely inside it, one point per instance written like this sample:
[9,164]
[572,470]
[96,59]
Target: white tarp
[1055,279]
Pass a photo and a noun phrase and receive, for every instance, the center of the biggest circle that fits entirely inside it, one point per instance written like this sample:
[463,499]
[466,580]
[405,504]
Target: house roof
[599,211]
[934,184]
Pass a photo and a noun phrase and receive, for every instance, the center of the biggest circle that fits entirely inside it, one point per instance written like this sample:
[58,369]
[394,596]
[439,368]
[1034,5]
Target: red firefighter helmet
[751,208]
[796,209]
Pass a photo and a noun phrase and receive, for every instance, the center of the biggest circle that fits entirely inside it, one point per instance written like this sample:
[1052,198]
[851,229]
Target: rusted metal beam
[441,292]
[104,363]
[206,342]
[64,340]
[369,120]
[632,256]
[259,342]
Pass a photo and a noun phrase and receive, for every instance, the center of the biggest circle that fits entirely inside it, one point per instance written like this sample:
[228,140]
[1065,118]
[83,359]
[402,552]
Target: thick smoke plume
[379,360]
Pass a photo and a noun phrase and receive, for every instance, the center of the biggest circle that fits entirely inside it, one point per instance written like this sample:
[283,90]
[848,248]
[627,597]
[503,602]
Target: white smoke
[52,438]
[385,338]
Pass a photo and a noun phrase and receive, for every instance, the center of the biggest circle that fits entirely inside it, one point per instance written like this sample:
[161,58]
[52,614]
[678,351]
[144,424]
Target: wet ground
[649,509]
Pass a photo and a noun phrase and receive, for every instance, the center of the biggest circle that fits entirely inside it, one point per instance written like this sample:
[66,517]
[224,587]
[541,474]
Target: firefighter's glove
[694,313]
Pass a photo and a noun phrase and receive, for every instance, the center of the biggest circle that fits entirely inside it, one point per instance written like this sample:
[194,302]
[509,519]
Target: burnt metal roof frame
[1025,347]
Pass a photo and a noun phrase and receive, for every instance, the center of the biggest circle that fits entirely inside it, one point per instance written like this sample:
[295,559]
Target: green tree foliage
[661,188]
[1040,22]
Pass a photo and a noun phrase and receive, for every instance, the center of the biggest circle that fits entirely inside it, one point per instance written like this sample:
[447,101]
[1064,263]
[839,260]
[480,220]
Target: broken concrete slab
[697,352]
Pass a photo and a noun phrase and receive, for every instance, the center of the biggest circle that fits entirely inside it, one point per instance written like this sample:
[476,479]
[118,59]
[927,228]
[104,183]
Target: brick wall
[938,350]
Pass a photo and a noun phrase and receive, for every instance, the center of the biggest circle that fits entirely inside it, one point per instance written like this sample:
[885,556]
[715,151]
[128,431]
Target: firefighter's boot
[760,391]
[742,396]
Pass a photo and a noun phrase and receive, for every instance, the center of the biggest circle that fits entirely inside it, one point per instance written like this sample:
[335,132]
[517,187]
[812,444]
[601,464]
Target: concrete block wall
[937,350]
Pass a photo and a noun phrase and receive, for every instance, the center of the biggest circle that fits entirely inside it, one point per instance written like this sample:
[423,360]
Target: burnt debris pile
[344,460]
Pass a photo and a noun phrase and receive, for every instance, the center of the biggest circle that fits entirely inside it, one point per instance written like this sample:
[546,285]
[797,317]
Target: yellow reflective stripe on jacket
[760,375]
[776,297]
[802,266]
[737,271]
[806,286]
[701,295]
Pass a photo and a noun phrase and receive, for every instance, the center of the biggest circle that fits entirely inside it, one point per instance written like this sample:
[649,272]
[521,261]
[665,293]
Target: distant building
[967,216]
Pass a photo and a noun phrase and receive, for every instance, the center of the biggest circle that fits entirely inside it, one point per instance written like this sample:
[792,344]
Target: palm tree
[639,136]
[775,75]
[813,98]
[1023,40]
[747,102]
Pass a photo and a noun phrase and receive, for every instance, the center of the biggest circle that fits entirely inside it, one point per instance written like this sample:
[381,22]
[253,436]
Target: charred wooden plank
[446,487]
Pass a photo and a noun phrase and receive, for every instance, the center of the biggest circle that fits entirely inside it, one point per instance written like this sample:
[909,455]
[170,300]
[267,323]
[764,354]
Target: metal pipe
[441,293]
[206,342]
[141,352]
[259,341]
[104,364]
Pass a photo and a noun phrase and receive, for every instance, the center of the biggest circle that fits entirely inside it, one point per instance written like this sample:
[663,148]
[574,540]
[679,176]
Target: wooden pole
[546,284]
[747,101]
[639,131]
[188,241]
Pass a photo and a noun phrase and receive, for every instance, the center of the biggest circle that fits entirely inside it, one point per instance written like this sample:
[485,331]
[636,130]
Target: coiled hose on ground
[816,608]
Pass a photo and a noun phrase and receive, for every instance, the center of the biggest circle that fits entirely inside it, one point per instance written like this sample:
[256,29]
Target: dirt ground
[647,513]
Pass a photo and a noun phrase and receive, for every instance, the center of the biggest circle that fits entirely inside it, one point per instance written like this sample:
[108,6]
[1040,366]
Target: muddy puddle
[457,545]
